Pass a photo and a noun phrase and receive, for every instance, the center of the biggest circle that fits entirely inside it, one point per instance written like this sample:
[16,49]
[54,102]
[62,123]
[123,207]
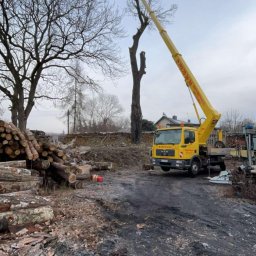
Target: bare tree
[75,98]
[233,121]
[38,38]
[138,69]
[103,110]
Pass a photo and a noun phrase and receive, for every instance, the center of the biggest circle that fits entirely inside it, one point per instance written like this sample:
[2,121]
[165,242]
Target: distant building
[166,121]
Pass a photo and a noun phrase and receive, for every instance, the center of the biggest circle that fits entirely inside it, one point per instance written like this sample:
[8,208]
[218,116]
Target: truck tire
[194,168]
[219,144]
[165,168]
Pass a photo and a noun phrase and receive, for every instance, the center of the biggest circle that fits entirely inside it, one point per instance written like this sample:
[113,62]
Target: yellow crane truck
[185,147]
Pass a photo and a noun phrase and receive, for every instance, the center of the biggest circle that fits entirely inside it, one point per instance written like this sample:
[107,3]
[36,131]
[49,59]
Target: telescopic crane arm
[212,116]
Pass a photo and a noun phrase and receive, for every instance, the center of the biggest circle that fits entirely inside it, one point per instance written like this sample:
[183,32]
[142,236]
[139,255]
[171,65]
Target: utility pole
[75,107]
[68,113]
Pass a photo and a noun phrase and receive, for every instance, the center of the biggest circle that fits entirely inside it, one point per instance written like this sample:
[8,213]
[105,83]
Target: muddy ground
[138,212]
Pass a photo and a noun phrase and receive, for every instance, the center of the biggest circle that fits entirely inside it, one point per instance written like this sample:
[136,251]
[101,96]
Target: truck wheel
[219,144]
[165,168]
[222,166]
[194,168]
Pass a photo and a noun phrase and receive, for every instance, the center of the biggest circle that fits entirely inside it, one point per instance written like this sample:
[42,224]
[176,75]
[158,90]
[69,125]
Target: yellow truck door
[190,144]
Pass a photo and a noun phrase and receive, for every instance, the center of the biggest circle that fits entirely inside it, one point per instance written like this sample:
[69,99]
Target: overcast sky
[217,40]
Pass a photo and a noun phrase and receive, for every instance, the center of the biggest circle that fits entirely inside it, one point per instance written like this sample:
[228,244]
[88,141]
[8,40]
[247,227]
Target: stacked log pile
[50,161]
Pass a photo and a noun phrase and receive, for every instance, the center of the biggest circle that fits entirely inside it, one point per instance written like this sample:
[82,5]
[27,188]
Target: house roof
[171,120]
[174,121]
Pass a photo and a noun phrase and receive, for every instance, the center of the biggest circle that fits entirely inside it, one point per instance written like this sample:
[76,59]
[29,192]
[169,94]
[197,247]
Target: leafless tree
[74,99]
[103,110]
[138,69]
[233,121]
[40,38]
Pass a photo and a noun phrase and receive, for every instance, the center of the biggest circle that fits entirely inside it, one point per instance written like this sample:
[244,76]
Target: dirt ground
[138,212]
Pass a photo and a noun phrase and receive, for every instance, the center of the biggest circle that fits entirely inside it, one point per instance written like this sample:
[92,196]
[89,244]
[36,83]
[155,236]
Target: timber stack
[29,153]
[28,157]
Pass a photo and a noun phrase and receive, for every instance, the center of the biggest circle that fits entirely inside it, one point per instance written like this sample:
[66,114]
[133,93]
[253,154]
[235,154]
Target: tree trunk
[136,122]
[14,114]
[22,119]
[136,113]
[137,72]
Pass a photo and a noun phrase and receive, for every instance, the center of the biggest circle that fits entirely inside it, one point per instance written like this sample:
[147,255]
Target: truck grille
[167,152]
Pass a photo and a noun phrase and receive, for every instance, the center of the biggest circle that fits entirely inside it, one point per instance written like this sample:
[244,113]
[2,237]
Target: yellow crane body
[194,150]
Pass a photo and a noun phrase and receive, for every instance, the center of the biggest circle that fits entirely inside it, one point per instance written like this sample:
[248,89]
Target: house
[166,121]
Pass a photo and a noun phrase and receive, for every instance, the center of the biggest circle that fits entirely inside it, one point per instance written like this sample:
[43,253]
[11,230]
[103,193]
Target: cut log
[44,153]
[33,151]
[28,153]
[17,152]
[50,159]
[5,142]
[8,136]
[8,151]
[57,159]
[84,169]
[8,130]
[83,176]
[15,174]
[36,145]
[38,164]
[16,137]
[59,153]
[21,200]
[10,142]
[65,172]
[97,166]
[19,164]
[24,217]
[10,186]
[52,147]
[29,135]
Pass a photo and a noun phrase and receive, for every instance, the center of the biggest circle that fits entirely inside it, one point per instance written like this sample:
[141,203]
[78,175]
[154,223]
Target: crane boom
[212,116]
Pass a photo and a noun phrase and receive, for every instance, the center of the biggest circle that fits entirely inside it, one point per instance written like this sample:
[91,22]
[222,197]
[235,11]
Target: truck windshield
[168,137]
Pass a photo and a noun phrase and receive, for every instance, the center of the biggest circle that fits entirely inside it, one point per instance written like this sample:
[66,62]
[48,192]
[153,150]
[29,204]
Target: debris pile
[244,184]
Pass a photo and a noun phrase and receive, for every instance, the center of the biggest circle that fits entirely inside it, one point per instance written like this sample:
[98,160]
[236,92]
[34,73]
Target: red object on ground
[99,179]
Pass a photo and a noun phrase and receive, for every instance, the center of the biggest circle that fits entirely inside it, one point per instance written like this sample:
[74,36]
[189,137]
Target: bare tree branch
[38,37]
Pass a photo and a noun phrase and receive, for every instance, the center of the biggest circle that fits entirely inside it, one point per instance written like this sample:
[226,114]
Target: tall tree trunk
[14,113]
[137,73]
[136,113]
[22,119]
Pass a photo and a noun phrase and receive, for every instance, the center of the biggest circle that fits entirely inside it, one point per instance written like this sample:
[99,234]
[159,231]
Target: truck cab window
[189,137]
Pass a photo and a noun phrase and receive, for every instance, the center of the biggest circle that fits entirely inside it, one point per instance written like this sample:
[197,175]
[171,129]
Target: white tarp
[223,178]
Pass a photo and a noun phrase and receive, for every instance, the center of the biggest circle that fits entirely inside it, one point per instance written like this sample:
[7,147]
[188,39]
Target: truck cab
[179,148]
[175,148]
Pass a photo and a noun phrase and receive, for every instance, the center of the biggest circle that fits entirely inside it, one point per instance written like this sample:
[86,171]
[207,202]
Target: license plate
[164,161]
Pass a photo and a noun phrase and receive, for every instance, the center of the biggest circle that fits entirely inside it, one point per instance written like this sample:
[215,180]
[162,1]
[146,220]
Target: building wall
[163,123]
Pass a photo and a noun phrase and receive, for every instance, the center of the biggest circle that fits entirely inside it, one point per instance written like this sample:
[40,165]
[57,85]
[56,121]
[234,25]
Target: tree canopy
[40,38]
